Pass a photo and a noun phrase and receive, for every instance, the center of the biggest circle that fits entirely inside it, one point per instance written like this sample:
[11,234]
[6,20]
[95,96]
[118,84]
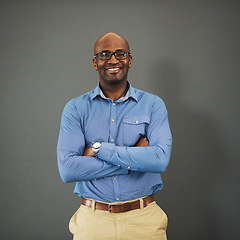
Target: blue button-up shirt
[121,172]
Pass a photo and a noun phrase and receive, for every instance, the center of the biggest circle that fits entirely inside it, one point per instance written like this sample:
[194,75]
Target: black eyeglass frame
[111,53]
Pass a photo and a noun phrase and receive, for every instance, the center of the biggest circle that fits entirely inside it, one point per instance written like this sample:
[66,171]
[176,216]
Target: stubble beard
[112,80]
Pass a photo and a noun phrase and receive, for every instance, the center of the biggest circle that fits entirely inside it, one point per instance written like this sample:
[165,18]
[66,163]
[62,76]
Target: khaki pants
[148,223]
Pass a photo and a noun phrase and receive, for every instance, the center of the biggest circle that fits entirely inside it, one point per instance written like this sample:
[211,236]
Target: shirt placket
[113,135]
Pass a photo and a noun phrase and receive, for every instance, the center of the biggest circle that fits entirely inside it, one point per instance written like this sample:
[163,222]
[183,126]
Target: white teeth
[113,69]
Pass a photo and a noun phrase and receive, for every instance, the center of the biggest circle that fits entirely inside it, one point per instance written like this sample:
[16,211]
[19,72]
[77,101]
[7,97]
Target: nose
[113,59]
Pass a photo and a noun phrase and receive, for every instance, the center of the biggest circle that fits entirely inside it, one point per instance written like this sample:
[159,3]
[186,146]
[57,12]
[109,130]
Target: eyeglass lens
[118,55]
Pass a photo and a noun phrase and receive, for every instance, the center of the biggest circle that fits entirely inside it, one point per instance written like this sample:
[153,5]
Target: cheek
[100,66]
[128,64]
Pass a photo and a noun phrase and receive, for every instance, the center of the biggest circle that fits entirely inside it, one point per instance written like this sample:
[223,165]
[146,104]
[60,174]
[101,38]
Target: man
[114,142]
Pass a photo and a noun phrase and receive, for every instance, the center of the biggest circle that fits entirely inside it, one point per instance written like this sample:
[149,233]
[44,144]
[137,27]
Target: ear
[95,65]
[130,61]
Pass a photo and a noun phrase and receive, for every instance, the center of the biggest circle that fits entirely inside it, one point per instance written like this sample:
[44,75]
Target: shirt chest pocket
[133,128]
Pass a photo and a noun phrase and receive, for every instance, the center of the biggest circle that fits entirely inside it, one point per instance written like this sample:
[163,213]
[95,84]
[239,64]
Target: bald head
[113,71]
[109,39]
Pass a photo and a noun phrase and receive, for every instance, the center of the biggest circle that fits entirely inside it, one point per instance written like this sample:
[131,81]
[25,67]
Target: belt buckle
[109,208]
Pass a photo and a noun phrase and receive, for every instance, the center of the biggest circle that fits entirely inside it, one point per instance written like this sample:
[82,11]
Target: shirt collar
[130,93]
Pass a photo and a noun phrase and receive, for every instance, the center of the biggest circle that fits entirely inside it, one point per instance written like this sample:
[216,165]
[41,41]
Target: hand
[88,152]
[142,142]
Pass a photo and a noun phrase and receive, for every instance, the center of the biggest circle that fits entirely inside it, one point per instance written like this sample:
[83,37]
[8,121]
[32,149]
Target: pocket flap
[136,119]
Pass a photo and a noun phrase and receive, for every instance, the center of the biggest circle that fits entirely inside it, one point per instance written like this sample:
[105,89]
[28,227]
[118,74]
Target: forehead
[111,43]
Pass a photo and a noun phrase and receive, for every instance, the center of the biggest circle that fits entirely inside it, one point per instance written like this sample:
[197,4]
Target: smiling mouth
[113,70]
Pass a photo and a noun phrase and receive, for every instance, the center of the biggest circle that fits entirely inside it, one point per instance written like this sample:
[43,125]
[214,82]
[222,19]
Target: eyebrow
[117,50]
[120,49]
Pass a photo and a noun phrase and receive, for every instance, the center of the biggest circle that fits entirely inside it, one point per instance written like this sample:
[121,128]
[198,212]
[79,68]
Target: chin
[113,81]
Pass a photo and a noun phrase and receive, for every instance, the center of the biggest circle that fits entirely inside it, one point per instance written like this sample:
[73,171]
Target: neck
[114,91]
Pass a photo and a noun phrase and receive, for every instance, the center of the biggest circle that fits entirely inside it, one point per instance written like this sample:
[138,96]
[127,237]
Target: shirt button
[112,140]
[115,178]
[117,198]
[113,120]
[95,179]
[119,165]
[129,167]
[137,121]
[114,104]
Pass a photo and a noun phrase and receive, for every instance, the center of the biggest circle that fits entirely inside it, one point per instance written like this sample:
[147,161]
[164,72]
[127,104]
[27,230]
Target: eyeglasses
[107,55]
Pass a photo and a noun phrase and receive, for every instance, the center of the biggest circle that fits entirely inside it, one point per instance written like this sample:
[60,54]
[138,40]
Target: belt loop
[93,207]
[141,203]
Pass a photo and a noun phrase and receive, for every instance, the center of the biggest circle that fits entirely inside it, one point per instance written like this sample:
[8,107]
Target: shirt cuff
[106,151]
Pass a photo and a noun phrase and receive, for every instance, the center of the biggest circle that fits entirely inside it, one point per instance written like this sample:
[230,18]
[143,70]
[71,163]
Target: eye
[120,55]
[105,55]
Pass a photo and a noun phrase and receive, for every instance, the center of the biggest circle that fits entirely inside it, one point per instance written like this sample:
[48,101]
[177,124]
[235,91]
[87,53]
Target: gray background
[187,52]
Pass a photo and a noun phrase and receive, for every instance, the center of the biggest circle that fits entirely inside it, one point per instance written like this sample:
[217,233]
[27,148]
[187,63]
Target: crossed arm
[77,163]
[142,142]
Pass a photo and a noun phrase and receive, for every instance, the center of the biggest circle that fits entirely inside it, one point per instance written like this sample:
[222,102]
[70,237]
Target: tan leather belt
[118,208]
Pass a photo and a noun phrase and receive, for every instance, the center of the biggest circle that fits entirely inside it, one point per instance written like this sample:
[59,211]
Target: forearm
[73,167]
[143,159]
[89,151]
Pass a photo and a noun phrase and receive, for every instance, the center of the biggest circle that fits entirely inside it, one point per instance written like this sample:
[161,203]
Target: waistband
[118,208]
